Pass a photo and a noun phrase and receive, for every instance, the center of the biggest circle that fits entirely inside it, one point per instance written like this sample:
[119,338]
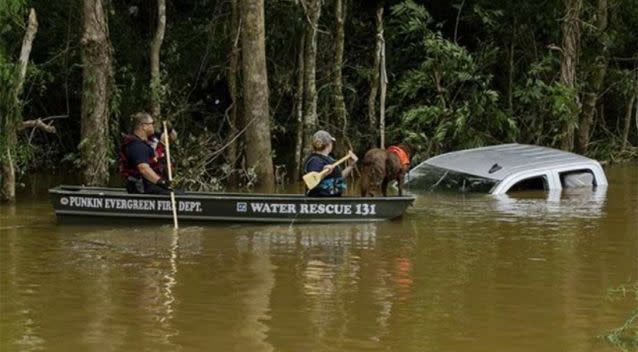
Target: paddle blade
[312,179]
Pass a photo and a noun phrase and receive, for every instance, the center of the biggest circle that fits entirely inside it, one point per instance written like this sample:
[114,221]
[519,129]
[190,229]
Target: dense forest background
[245,82]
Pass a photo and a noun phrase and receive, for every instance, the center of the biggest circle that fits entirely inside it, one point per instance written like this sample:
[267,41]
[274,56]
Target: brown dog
[382,166]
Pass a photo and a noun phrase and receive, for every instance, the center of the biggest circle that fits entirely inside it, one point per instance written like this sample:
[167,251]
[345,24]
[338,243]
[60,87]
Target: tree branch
[38,123]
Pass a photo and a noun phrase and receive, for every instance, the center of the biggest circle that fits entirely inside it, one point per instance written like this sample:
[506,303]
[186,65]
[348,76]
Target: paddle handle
[337,163]
[170,173]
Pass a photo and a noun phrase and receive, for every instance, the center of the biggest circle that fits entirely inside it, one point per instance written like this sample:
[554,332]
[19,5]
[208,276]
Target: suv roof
[505,160]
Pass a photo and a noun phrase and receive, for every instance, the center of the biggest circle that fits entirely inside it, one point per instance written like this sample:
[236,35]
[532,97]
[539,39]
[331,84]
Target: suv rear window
[577,178]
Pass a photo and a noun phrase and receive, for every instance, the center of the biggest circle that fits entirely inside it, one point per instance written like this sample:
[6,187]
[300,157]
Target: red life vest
[160,152]
[403,156]
[160,155]
[126,169]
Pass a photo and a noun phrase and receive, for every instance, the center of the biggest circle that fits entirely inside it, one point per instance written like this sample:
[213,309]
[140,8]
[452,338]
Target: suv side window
[531,183]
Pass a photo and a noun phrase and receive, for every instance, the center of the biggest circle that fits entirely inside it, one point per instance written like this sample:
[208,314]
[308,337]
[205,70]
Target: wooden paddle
[313,178]
[170,173]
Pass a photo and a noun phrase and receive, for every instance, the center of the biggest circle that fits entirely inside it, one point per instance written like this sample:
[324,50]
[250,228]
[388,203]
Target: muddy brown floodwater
[525,272]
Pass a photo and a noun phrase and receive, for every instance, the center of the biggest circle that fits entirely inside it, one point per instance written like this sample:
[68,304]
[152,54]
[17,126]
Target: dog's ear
[407,148]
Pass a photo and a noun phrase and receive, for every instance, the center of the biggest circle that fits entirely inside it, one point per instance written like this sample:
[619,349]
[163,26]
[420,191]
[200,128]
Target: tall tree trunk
[510,70]
[25,53]
[255,78]
[233,69]
[156,45]
[571,49]
[627,124]
[14,112]
[296,171]
[596,79]
[383,82]
[340,106]
[96,79]
[374,81]
[310,62]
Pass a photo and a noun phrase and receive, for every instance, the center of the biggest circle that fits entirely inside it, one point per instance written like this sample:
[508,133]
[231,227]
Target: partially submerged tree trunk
[383,82]
[310,62]
[597,77]
[374,81]
[571,48]
[255,78]
[14,112]
[96,78]
[156,45]
[296,170]
[627,124]
[340,106]
[510,70]
[233,69]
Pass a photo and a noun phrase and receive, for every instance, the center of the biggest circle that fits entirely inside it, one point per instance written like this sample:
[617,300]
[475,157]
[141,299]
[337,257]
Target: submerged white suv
[502,168]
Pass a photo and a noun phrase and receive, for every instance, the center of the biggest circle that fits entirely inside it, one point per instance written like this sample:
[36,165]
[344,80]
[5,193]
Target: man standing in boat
[140,163]
[333,184]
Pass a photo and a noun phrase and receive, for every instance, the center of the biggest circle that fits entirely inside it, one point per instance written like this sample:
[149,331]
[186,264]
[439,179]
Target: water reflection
[170,279]
[575,203]
[135,269]
[566,212]
[16,292]
[255,299]
[340,270]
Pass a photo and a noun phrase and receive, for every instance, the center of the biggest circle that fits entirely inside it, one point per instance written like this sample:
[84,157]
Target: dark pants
[150,188]
[141,186]
[320,192]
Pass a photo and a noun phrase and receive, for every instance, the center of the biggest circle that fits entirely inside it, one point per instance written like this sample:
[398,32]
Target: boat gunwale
[120,192]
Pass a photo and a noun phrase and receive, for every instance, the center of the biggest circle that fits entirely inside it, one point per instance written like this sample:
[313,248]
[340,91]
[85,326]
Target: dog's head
[404,152]
[407,148]
[410,150]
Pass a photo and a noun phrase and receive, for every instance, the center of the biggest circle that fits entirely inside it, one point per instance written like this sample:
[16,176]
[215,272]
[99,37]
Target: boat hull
[76,203]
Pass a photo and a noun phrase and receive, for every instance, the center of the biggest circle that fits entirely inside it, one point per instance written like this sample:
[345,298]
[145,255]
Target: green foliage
[411,18]
[10,108]
[623,82]
[543,106]
[24,157]
[22,154]
[11,22]
[446,101]
[449,71]
[11,17]
[491,19]
[625,337]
